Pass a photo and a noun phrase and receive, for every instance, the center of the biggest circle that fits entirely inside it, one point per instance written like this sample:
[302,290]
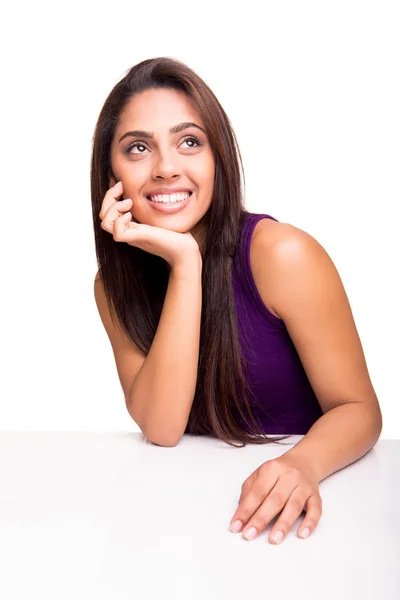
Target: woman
[204,301]
[193,289]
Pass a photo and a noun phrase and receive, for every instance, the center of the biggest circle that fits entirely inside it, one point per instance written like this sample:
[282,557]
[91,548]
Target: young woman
[222,322]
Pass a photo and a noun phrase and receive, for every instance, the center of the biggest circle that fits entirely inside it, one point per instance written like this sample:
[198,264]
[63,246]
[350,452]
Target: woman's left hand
[283,483]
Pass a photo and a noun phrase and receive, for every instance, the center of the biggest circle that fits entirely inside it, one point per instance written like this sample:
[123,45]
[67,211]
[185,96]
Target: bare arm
[162,393]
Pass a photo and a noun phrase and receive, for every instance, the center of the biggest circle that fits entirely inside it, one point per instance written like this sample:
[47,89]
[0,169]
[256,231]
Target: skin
[303,285]
[167,160]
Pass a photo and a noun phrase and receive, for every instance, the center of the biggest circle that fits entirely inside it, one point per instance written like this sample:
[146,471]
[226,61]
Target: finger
[110,198]
[120,227]
[117,209]
[313,516]
[272,504]
[251,498]
[291,512]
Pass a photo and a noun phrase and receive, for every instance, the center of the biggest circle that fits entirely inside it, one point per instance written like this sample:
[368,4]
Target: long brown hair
[135,282]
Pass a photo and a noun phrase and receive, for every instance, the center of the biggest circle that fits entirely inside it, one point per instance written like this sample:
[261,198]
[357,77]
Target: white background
[312,91]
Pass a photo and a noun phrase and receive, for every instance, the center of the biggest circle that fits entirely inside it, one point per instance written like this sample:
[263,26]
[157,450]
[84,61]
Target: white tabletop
[108,515]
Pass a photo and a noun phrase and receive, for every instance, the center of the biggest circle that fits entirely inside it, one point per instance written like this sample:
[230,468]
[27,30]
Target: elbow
[158,440]
[155,435]
[161,438]
[165,445]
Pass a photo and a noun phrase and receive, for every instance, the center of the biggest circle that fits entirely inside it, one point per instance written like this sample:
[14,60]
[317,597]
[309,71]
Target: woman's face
[165,160]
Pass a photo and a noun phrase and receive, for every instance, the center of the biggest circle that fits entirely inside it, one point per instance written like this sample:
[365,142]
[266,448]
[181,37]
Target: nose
[166,166]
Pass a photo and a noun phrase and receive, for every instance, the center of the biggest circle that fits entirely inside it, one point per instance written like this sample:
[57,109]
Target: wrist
[188,265]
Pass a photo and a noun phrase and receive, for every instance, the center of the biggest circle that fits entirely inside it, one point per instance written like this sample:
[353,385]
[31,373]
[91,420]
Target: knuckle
[297,505]
[245,485]
[244,514]
[312,524]
[277,499]
[318,502]
[259,523]
[296,476]
[314,513]
[284,525]
[259,489]
[273,464]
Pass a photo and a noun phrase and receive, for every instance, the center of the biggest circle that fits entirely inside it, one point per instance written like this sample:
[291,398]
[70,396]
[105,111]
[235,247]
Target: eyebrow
[150,134]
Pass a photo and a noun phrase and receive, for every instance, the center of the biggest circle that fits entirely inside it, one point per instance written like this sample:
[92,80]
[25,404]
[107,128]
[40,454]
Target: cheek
[211,169]
[204,172]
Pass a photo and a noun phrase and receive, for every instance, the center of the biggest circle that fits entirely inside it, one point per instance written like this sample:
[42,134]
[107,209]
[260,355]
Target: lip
[173,208]
[175,190]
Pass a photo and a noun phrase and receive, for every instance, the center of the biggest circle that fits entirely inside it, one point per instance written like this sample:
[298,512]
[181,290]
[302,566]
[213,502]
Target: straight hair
[135,282]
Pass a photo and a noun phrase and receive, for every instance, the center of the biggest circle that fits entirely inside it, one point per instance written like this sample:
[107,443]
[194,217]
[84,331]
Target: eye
[141,145]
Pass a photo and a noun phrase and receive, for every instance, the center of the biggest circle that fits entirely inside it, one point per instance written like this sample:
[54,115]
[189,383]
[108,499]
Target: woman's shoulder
[268,234]
[268,240]
[268,231]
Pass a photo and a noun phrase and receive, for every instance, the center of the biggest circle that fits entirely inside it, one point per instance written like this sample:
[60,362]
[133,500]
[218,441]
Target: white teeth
[169,197]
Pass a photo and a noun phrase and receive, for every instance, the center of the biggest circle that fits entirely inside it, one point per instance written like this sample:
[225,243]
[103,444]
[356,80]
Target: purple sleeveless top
[284,401]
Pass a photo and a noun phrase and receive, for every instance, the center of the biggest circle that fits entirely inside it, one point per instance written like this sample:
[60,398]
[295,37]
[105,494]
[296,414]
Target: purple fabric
[284,401]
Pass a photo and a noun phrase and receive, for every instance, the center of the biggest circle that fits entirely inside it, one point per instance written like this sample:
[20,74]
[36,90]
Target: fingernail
[126,200]
[305,533]
[250,533]
[117,184]
[236,526]
[277,537]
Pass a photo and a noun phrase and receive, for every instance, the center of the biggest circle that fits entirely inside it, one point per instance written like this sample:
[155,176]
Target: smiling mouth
[162,202]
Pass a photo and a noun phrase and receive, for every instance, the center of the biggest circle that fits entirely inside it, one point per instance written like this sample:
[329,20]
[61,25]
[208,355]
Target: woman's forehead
[159,109]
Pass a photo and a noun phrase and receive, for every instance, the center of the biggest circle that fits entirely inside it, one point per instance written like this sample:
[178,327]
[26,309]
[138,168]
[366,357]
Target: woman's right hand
[116,219]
